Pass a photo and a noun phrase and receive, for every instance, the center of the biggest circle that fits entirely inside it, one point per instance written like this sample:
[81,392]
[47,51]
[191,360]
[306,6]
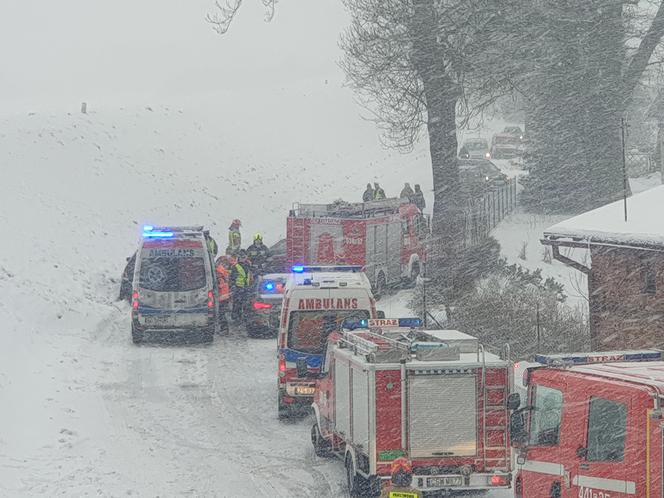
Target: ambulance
[592,426]
[317,299]
[174,285]
[389,390]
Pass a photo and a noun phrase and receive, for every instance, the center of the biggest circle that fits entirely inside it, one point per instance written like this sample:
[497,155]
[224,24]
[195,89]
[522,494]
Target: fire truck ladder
[495,407]
[342,209]
[377,347]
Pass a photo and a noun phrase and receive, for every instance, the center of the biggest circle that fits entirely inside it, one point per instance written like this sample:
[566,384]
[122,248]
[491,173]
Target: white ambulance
[317,299]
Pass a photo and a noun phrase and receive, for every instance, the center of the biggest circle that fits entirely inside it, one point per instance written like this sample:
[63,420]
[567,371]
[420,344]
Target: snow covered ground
[83,412]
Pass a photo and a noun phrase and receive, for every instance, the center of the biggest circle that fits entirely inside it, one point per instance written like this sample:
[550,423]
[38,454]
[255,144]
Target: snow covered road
[160,420]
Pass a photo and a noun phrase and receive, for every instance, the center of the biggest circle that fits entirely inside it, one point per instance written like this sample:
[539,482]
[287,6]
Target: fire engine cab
[317,299]
[592,426]
[388,389]
[386,237]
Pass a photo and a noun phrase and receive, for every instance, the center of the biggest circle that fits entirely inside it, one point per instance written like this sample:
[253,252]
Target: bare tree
[224,14]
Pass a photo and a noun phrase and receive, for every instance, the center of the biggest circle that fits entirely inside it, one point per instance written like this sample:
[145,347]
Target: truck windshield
[308,330]
[172,274]
[545,419]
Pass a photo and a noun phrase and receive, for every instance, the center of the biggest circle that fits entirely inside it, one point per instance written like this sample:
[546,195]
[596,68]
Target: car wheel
[322,447]
[207,336]
[136,334]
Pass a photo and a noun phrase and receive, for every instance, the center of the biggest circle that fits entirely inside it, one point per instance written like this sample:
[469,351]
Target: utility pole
[624,165]
[539,336]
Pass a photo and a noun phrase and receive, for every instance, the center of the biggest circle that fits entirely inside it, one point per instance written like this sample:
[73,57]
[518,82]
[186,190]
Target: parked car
[479,176]
[514,131]
[264,309]
[475,148]
[506,146]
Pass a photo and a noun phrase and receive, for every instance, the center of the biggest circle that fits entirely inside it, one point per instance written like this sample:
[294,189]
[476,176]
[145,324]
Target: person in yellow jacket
[234,238]
[223,269]
[400,486]
[239,284]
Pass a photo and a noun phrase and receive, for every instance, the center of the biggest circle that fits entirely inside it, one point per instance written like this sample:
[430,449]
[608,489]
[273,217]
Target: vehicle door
[542,472]
[611,428]
[324,393]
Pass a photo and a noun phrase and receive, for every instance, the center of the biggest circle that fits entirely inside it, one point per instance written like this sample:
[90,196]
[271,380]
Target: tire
[207,335]
[136,335]
[358,486]
[322,447]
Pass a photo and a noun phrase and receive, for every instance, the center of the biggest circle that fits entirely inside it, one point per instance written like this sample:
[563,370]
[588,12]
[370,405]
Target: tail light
[210,301]
[134,300]
[498,481]
[258,305]
[282,365]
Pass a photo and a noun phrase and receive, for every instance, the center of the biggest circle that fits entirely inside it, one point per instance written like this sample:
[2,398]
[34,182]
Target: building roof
[606,225]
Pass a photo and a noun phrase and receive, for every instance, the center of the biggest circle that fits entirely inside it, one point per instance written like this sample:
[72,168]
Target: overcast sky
[56,54]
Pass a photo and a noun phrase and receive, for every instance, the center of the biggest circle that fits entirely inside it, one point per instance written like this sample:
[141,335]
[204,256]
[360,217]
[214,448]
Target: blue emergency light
[410,322]
[297,269]
[269,286]
[602,357]
[332,268]
[162,235]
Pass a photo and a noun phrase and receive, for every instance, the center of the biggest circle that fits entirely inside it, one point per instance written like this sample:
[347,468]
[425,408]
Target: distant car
[475,148]
[479,176]
[506,146]
[264,310]
[514,131]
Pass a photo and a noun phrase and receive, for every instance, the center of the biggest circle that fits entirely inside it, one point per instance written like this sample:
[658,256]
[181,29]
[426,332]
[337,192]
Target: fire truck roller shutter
[442,419]
[341,397]
[394,239]
[360,423]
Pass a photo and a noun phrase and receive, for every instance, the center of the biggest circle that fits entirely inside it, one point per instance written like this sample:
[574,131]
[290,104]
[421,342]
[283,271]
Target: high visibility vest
[241,279]
[234,239]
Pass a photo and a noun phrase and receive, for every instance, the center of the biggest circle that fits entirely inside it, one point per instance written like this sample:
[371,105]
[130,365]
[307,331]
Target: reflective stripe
[617,485]
[552,469]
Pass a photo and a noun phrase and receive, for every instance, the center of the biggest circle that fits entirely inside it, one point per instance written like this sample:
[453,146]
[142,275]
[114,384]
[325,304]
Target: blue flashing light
[148,228]
[297,269]
[410,322]
[354,323]
[161,235]
[603,357]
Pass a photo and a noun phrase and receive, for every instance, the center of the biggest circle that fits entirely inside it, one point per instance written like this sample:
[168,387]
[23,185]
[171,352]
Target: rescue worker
[418,198]
[211,243]
[258,253]
[223,269]
[234,237]
[239,283]
[407,192]
[368,194]
[379,193]
[401,480]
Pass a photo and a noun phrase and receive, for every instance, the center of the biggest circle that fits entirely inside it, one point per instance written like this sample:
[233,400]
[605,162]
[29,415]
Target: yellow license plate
[401,494]
[305,391]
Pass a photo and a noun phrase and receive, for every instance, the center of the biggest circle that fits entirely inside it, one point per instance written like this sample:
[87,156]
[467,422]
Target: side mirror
[513,401]
[518,434]
[380,313]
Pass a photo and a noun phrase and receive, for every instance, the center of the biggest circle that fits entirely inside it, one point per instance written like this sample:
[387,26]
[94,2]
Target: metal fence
[482,214]
[640,164]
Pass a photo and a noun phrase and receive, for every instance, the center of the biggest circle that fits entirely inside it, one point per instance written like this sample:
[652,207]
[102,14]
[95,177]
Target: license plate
[401,494]
[305,391]
[157,320]
[438,482]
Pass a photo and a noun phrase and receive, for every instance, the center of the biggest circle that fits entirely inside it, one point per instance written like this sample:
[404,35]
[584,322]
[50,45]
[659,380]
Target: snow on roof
[607,225]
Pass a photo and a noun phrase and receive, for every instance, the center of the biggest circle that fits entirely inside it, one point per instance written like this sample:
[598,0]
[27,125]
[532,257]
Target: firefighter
[239,283]
[211,243]
[234,237]
[379,193]
[401,480]
[418,198]
[258,254]
[407,192]
[223,269]
[368,194]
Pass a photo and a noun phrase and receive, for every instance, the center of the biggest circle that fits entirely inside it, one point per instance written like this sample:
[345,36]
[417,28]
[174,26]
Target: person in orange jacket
[223,269]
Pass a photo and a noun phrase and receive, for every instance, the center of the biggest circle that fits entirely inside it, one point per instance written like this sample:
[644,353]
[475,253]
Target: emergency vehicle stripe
[616,485]
[552,469]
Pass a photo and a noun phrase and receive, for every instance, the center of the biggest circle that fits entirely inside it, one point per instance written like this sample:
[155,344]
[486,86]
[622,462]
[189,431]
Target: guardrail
[483,213]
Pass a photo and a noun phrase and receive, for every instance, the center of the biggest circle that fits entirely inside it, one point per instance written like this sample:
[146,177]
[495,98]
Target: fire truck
[386,237]
[388,389]
[317,299]
[592,426]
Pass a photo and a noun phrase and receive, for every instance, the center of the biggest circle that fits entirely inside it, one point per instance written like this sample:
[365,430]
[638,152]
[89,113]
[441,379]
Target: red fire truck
[386,237]
[592,426]
[389,389]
